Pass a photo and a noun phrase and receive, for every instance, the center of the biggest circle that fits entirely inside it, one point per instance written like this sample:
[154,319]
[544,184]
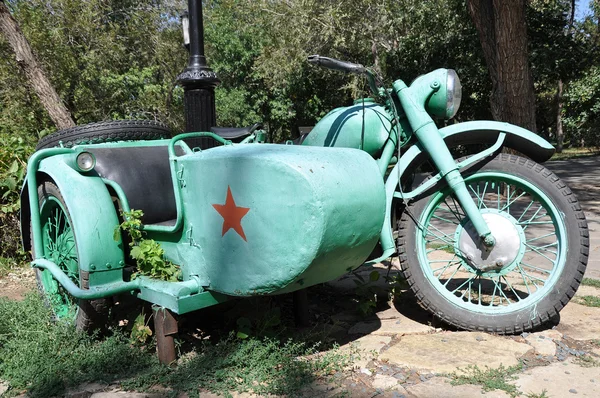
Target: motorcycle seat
[235,133]
[144,175]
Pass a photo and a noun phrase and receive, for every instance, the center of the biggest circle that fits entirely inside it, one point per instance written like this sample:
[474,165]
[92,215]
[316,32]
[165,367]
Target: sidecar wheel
[59,245]
[532,272]
[96,133]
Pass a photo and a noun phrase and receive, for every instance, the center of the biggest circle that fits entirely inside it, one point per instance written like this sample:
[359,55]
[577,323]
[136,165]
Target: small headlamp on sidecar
[445,99]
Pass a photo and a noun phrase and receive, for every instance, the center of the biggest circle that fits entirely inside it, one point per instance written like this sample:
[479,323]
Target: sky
[582,9]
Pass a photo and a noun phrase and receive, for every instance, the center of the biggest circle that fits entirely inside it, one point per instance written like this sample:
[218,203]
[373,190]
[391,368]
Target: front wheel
[60,246]
[530,274]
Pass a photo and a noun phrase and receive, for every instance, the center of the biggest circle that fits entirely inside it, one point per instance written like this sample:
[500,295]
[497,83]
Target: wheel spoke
[533,249]
[511,287]
[541,237]
[444,219]
[479,198]
[510,203]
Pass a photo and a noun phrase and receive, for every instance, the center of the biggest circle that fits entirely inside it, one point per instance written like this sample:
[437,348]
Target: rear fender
[93,217]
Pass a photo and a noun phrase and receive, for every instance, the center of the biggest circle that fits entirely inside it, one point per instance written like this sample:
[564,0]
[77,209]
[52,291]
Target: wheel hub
[499,259]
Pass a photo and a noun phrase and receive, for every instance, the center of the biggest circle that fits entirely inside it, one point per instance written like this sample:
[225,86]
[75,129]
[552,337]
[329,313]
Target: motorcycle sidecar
[240,220]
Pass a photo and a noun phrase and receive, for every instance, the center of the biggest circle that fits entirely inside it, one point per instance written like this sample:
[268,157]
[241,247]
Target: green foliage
[587,361]
[489,379]
[260,366]
[369,292]
[148,254]
[591,282]
[140,332]
[540,395]
[589,301]
[269,325]
[132,224]
[45,358]
[151,261]
[14,151]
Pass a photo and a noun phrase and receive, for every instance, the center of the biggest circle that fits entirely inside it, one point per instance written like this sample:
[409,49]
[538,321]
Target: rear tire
[60,245]
[541,255]
[96,133]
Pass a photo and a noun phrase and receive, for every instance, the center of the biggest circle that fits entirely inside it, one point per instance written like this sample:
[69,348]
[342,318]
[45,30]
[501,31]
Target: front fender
[93,217]
[485,131]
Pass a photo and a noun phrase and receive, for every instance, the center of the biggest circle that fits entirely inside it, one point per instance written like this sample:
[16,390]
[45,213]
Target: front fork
[432,142]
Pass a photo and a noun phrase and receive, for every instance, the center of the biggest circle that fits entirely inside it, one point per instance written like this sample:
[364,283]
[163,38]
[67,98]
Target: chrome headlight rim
[453,93]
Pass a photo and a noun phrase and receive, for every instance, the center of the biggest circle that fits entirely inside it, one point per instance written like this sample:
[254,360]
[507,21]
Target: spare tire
[95,133]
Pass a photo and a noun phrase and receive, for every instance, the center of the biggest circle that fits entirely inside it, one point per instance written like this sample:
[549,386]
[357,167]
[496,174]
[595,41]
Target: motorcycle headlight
[453,94]
[445,101]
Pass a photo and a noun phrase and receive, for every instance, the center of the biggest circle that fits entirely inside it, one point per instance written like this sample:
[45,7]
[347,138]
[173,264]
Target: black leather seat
[234,134]
[144,174]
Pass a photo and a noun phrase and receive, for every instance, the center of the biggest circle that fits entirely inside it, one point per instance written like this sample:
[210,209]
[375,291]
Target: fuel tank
[363,126]
[269,219]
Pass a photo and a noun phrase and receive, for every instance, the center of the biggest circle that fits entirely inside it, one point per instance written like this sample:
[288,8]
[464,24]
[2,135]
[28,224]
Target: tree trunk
[503,35]
[36,77]
[559,126]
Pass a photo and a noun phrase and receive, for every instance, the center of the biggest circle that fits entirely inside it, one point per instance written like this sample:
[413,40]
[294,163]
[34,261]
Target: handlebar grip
[335,64]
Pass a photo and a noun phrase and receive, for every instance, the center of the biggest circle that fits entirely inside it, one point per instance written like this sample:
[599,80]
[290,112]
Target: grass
[587,361]
[573,153]
[489,379]
[591,282]
[543,394]
[589,301]
[41,359]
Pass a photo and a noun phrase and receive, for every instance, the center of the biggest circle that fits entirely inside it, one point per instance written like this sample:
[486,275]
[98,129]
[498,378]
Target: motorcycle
[490,241]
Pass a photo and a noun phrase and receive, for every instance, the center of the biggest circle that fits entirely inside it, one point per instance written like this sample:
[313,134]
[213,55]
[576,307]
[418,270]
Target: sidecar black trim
[235,133]
[144,174]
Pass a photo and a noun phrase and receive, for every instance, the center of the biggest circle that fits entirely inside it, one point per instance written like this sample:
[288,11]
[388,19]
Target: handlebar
[342,66]
[336,64]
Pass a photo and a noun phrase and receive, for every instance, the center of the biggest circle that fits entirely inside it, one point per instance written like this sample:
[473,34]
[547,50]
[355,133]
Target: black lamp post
[197,79]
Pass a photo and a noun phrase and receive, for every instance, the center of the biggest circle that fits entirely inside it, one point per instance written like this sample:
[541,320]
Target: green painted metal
[93,215]
[308,215]
[179,297]
[487,125]
[59,245]
[518,268]
[269,219]
[414,100]
[362,126]
[105,290]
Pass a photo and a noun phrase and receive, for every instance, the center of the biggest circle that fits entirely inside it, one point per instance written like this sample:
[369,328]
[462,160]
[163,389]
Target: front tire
[533,271]
[60,245]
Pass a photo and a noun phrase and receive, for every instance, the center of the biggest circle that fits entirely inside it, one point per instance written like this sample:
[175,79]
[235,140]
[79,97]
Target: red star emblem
[232,215]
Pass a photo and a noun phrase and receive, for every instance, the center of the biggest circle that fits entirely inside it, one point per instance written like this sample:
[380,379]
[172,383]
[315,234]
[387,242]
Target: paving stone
[579,322]
[445,352]
[85,390]
[588,290]
[441,387]
[390,327]
[366,347]
[390,313]
[542,344]
[384,382]
[560,377]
